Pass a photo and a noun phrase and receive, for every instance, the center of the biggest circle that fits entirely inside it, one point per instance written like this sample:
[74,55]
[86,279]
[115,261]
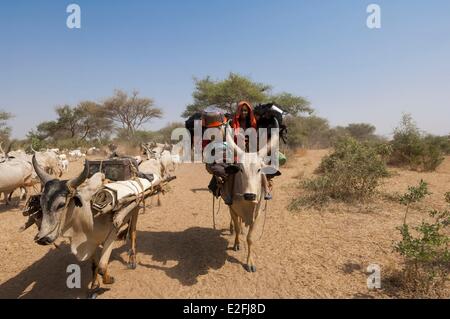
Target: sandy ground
[308,254]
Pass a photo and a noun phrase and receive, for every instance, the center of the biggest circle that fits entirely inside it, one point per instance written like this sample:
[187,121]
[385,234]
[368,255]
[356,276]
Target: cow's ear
[77,201]
[278,173]
[270,171]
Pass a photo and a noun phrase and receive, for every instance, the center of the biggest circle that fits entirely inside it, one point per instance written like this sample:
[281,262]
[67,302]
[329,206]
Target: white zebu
[14,173]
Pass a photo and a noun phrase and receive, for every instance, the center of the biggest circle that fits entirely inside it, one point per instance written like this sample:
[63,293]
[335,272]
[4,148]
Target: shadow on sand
[46,278]
[195,251]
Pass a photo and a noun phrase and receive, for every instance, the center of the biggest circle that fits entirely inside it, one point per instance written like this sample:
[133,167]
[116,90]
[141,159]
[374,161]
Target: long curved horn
[9,148]
[273,142]
[43,175]
[146,150]
[77,181]
[1,148]
[232,144]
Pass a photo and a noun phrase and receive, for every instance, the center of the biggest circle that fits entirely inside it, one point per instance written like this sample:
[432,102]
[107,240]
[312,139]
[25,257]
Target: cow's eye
[60,206]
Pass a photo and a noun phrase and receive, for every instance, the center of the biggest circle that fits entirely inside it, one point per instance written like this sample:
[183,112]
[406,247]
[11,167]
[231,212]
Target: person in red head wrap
[244,117]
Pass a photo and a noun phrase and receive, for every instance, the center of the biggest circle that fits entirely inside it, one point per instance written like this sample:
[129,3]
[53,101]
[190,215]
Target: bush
[412,149]
[440,142]
[351,173]
[425,248]
[311,132]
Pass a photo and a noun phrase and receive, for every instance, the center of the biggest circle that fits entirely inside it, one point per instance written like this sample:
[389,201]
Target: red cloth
[236,120]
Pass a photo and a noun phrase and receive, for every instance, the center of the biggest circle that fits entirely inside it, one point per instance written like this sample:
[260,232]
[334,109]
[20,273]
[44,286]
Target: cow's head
[251,168]
[55,199]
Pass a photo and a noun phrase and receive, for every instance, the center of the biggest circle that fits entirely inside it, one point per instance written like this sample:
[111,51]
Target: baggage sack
[209,112]
[269,115]
[116,169]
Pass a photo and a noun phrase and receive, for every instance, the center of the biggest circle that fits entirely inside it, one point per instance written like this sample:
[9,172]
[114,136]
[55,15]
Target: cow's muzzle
[44,240]
[250,197]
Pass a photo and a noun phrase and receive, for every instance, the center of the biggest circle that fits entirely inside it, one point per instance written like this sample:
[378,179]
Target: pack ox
[66,212]
[248,195]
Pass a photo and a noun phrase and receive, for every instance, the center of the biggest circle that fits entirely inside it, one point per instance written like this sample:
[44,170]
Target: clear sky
[322,50]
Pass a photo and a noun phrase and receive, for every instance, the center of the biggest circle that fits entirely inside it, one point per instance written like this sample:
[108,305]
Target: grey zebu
[66,212]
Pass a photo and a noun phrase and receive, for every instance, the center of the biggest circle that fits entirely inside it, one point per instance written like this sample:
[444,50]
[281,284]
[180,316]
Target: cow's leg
[104,258]
[231,223]
[132,252]
[237,230]
[250,263]
[159,199]
[95,279]
[10,196]
[27,193]
[5,198]
[23,193]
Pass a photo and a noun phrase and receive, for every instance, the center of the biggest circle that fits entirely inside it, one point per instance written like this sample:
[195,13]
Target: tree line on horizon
[121,118]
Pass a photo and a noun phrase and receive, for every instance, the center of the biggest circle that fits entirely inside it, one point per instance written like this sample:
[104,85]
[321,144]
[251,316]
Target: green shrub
[440,142]
[425,248]
[411,148]
[311,132]
[351,173]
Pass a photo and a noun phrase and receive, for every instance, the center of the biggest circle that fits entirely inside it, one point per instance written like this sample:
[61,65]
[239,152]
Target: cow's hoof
[93,292]
[108,280]
[92,295]
[250,268]
[236,247]
[131,260]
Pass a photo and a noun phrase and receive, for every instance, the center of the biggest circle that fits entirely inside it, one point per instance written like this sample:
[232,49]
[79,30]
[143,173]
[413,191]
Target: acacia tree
[361,131]
[131,112]
[69,120]
[227,93]
[86,121]
[294,105]
[94,122]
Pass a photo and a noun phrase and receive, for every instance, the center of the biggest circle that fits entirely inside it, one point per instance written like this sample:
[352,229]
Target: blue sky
[318,49]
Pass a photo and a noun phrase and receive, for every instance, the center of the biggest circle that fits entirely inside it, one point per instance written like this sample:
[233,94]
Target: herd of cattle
[62,208]
[17,172]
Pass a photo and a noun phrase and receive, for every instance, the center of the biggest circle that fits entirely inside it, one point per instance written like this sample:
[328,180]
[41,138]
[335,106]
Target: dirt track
[310,254]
